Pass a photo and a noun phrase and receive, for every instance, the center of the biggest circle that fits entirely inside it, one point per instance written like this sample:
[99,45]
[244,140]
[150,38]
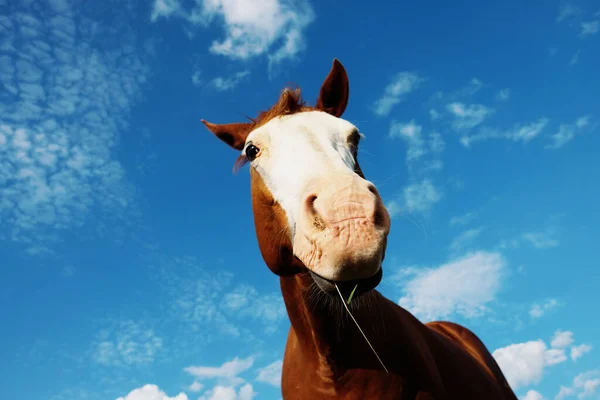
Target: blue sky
[129,266]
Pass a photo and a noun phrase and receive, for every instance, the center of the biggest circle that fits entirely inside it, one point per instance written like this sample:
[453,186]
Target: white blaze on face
[297,148]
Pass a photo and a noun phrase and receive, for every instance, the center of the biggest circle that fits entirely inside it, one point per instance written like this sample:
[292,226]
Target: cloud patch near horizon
[464,285]
[524,363]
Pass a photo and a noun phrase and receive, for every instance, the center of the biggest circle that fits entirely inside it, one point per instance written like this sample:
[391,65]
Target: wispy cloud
[126,343]
[579,350]
[164,9]
[468,116]
[463,286]
[210,306]
[271,374]
[401,85]
[567,11]
[421,196]
[589,28]
[519,133]
[65,103]
[462,240]
[463,219]
[228,83]
[540,309]
[273,28]
[585,385]
[503,95]
[539,239]
[567,132]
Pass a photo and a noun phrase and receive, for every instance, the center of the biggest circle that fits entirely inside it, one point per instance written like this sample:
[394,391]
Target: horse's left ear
[335,91]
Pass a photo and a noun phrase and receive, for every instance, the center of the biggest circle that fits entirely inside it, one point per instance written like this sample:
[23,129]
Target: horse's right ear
[233,134]
[335,90]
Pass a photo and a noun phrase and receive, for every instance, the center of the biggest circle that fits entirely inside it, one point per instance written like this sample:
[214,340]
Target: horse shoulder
[472,344]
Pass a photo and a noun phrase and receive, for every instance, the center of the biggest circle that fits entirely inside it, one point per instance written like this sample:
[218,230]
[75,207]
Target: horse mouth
[346,287]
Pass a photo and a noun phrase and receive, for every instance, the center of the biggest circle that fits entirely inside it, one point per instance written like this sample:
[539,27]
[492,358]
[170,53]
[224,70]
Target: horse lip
[364,285]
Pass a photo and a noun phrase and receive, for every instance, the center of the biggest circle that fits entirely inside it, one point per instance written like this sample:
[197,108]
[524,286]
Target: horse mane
[290,102]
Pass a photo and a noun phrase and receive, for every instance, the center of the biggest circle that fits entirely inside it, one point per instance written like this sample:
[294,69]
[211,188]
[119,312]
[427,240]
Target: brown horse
[320,224]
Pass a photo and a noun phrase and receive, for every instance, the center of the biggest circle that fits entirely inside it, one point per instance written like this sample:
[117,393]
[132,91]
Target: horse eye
[251,152]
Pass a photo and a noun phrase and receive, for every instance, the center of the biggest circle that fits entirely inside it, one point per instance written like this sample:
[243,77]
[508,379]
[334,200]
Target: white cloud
[538,310]
[564,392]
[468,116]
[578,351]
[584,385]
[401,85]
[151,392]
[519,133]
[421,196]
[465,238]
[555,356]
[251,29]
[587,383]
[219,392]
[464,286]
[567,132]
[562,339]
[271,374]
[228,83]
[532,395]
[523,364]
[503,95]
[60,125]
[196,387]
[589,28]
[228,372]
[125,343]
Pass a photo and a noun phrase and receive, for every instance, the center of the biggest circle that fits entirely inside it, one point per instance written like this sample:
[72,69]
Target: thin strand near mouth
[358,326]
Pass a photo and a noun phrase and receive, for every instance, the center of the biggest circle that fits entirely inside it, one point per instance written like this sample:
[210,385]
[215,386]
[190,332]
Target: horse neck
[325,331]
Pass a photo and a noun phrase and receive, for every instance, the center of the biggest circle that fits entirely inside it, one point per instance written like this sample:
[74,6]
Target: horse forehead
[311,127]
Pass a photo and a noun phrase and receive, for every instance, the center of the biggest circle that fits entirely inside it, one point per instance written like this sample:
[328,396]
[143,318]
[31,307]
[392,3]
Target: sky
[129,267]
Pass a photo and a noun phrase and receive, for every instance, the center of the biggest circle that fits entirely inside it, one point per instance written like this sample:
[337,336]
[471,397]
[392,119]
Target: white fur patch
[297,148]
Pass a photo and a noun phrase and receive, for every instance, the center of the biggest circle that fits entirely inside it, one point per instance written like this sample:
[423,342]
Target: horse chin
[362,286]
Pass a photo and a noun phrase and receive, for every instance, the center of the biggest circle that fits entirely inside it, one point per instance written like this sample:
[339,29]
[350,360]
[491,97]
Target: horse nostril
[373,189]
[310,201]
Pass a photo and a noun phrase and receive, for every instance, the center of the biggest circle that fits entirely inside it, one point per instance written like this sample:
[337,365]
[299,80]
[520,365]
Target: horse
[322,228]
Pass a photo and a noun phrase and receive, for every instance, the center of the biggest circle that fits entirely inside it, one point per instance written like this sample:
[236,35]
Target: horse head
[314,211]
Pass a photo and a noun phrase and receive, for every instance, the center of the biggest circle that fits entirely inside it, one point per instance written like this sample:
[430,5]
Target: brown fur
[325,355]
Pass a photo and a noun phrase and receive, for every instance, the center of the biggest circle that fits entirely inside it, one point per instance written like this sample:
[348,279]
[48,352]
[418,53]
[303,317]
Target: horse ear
[233,134]
[335,91]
